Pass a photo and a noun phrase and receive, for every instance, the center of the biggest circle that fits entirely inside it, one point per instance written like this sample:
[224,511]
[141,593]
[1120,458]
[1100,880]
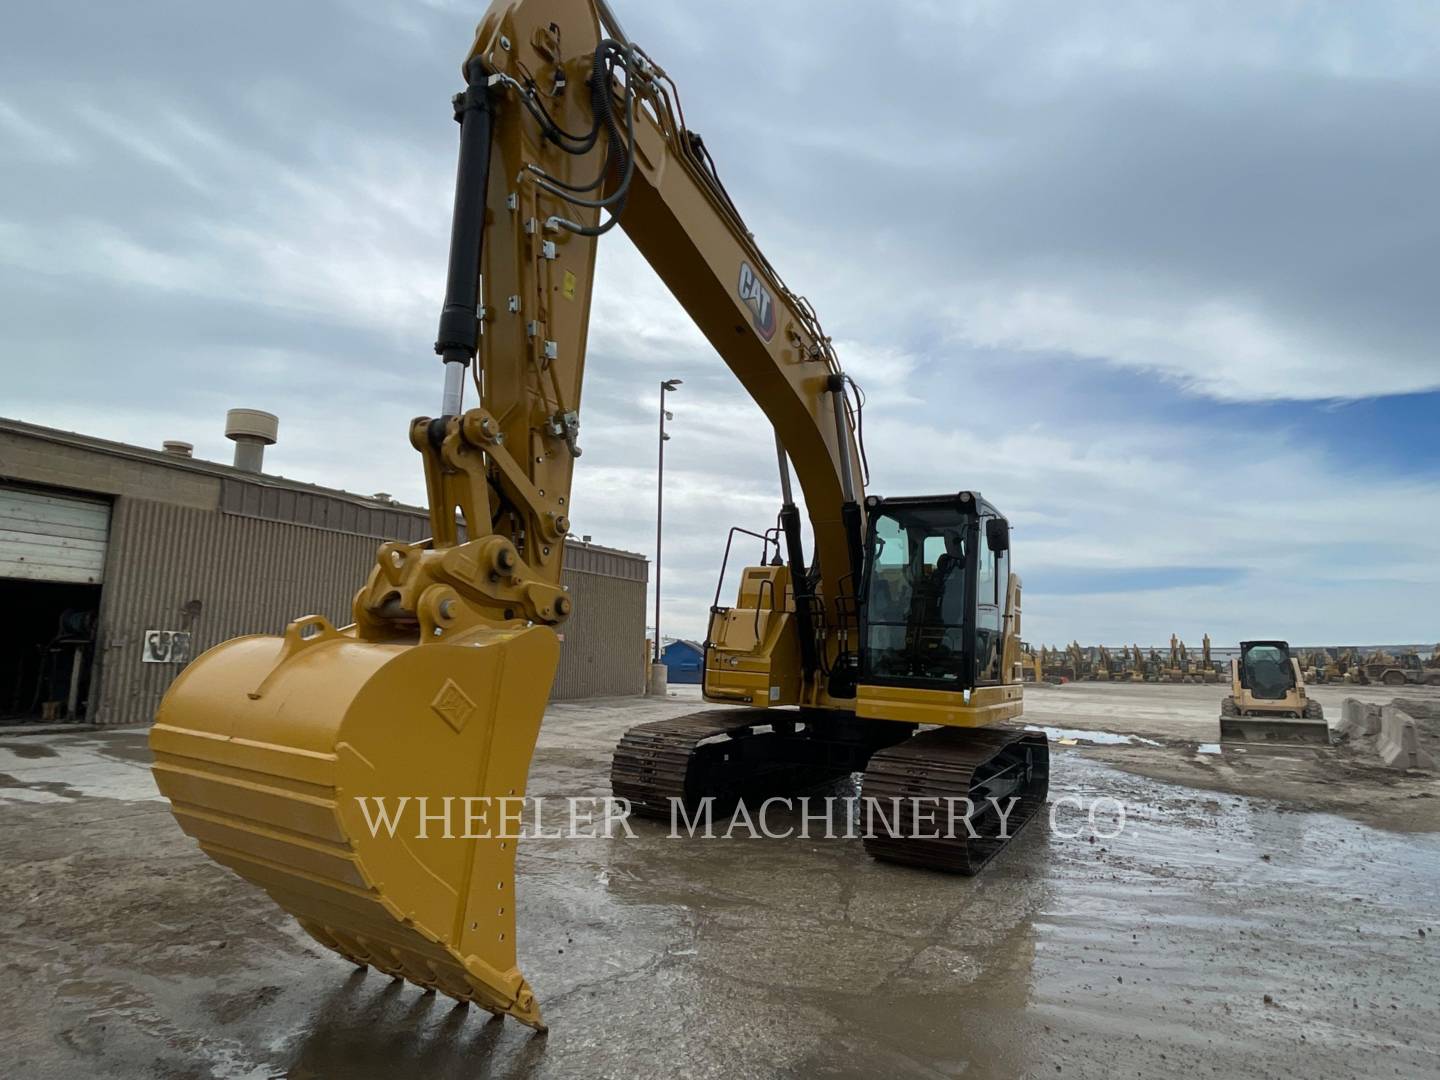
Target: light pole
[666,386]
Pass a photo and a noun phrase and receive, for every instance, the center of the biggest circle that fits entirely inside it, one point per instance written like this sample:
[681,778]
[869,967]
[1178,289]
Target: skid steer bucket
[1274,730]
[305,762]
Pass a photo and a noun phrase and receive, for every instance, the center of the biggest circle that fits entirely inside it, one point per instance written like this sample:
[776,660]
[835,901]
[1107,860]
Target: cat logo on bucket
[758,299]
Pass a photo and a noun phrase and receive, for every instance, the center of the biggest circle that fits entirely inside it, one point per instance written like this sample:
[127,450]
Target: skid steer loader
[1267,701]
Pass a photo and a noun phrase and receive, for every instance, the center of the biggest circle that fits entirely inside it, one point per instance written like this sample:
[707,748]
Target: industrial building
[119,563]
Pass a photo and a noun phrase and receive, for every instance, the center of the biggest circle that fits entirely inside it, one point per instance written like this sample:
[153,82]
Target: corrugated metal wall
[321,511]
[251,575]
[606,561]
[604,650]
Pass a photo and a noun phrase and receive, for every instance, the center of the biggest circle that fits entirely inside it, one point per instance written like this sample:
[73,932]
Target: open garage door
[52,564]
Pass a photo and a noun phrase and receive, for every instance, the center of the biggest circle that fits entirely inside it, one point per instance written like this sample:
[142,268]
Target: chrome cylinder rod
[454,388]
[786,498]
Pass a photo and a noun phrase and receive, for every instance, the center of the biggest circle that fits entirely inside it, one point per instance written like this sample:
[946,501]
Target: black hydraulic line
[804,592]
[459,323]
[859,411]
[850,519]
[553,131]
[603,104]
[800,584]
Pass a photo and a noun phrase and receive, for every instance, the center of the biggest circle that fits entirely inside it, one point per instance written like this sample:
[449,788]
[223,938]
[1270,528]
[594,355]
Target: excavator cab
[931,605]
[939,613]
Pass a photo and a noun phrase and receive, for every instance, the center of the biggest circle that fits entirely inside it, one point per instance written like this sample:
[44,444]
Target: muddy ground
[1259,915]
[1183,720]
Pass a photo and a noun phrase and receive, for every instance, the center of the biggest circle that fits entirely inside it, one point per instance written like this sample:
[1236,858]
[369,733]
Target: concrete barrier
[1399,741]
[659,680]
[1357,719]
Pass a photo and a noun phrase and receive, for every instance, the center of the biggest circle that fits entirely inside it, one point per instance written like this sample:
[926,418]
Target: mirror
[997,534]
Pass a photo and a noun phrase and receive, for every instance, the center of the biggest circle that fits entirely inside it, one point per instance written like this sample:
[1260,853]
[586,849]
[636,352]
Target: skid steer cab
[1267,701]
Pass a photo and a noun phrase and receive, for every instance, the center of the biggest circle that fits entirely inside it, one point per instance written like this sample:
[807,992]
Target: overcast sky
[1160,280]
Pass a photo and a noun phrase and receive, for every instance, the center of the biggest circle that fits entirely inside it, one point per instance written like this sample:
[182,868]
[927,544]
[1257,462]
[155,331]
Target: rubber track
[939,765]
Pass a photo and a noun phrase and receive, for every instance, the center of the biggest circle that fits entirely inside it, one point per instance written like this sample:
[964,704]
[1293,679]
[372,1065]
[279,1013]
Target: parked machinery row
[1378,667]
[1130,663]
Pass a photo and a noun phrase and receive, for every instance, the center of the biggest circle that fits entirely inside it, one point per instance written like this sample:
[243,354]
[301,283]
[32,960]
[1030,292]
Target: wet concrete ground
[1223,933]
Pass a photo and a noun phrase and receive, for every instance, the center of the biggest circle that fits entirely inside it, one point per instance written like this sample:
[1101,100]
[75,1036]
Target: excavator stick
[287,757]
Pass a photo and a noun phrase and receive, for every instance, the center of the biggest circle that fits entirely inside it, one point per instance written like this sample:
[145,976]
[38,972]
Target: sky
[1158,279]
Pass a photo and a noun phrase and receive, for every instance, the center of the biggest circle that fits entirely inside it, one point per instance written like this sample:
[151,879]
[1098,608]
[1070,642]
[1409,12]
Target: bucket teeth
[431,977]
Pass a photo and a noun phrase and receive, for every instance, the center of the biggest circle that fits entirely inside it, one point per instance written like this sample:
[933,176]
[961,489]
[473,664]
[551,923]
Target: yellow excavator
[273,750]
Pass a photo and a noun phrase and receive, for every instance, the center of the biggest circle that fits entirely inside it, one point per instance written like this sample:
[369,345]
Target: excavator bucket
[360,784]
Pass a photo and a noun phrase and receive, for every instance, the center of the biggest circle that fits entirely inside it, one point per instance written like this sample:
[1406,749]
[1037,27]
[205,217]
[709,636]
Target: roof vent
[178,447]
[252,430]
[383,497]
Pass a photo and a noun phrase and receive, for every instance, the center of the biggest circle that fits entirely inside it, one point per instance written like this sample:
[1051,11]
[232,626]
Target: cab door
[992,580]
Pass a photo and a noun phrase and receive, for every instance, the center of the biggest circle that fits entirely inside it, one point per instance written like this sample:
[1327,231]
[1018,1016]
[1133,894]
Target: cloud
[26,138]
[1110,264]
[1239,202]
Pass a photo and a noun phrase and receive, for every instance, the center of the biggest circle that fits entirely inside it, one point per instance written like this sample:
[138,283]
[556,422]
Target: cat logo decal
[758,299]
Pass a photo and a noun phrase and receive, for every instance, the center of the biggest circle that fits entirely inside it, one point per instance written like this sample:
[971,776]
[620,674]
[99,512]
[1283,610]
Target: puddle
[29,750]
[1070,736]
[70,771]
